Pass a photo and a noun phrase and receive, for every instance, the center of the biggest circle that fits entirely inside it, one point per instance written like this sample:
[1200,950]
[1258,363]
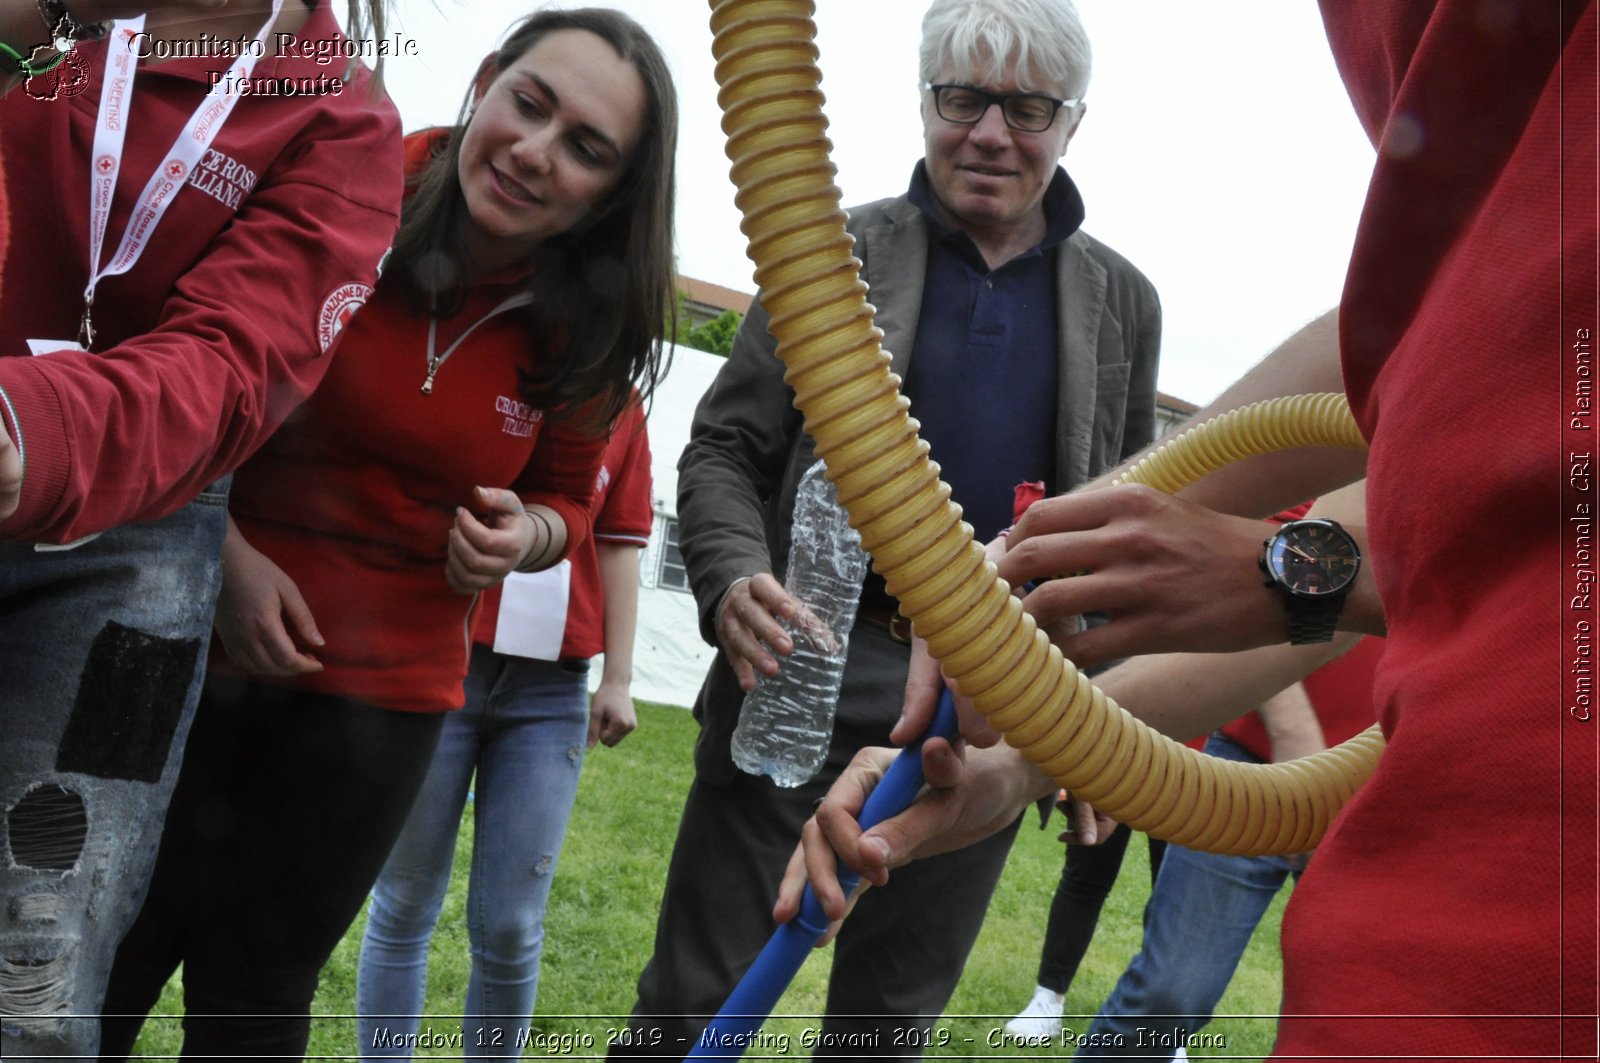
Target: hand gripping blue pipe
[757,993]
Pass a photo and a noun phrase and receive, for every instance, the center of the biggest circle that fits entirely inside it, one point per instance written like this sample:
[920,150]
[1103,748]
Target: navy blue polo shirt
[982,376]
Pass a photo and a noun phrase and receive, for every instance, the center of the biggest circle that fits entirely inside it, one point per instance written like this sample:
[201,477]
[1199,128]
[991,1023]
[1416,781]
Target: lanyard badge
[110,134]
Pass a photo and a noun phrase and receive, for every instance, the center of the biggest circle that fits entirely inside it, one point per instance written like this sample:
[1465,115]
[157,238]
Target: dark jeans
[1086,881]
[102,649]
[285,809]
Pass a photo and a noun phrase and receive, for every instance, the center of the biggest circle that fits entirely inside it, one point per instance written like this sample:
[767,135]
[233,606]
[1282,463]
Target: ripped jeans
[523,731]
[102,653]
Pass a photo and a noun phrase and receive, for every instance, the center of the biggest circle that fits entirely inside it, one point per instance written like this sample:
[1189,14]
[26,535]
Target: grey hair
[1044,38]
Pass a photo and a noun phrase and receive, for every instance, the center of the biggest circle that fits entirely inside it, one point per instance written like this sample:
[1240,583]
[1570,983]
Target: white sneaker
[1041,1018]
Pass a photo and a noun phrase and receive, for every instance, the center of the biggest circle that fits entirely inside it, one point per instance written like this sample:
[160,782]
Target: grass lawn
[602,921]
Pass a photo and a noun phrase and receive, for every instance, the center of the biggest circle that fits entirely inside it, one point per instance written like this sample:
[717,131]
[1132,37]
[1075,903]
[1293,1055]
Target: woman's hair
[606,292]
[365,22]
[1044,38]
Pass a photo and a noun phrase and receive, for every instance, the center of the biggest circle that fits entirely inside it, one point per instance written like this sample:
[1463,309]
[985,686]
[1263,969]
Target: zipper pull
[433,368]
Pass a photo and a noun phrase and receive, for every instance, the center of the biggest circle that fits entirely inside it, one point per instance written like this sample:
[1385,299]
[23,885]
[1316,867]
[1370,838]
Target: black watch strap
[1313,620]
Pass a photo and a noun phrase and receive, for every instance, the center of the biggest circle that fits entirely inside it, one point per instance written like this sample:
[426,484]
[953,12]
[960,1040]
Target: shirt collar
[1063,207]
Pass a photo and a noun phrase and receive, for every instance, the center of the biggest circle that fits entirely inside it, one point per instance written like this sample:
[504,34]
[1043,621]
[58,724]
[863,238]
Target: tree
[715,336]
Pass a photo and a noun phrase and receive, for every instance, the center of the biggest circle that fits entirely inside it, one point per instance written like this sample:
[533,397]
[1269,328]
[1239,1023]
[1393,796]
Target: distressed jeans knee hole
[47,828]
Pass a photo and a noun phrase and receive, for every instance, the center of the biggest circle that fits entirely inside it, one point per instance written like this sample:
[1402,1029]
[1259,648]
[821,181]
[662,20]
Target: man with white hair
[1029,351]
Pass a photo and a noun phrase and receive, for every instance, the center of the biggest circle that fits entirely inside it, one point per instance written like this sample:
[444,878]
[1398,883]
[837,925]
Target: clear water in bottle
[786,722]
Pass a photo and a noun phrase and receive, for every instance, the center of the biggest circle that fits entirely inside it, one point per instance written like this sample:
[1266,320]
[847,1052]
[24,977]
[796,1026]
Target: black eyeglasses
[1028,112]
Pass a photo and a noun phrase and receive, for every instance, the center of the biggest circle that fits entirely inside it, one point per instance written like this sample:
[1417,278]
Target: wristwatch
[63,27]
[1313,563]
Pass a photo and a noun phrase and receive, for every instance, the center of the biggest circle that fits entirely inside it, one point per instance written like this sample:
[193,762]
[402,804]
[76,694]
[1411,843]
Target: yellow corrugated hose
[812,290]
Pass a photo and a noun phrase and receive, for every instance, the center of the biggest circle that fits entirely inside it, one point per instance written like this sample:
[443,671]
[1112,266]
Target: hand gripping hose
[757,993]
[811,288]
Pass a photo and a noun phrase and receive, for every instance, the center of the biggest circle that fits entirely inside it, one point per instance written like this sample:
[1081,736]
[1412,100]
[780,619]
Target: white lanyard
[437,360]
[110,132]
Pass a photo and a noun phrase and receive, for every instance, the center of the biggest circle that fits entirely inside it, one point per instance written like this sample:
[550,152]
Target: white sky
[1219,152]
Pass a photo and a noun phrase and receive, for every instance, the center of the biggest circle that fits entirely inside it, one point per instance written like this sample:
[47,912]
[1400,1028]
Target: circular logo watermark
[67,78]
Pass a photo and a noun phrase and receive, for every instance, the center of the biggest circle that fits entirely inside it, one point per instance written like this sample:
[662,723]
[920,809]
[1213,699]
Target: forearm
[232,541]
[732,469]
[549,539]
[135,432]
[1305,363]
[619,590]
[1291,724]
[1186,695]
[721,529]
[557,485]
[10,472]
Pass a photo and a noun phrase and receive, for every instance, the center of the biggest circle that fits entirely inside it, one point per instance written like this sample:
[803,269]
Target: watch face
[1313,558]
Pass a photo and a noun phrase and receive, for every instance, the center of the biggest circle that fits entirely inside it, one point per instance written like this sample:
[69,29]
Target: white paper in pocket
[533,613]
[38,347]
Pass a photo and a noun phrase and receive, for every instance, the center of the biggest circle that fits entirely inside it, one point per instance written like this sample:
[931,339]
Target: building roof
[1175,404]
[715,296]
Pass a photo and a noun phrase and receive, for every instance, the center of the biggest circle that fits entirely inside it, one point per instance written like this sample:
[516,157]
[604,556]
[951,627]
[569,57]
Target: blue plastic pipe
[753,999]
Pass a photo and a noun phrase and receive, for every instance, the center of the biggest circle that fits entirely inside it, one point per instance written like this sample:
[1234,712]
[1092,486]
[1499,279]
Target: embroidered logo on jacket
[520,418]
[223,178]
[337,310]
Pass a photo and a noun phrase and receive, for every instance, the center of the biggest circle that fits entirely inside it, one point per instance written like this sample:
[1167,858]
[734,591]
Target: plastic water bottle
[786,722]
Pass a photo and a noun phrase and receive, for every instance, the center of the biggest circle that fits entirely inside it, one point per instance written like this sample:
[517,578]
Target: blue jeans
[523,730]
[102,654]
[1198,922]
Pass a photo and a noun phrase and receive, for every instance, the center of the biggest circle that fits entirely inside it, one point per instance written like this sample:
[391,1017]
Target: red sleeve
[627,514]
[561,475]
[622,513]
[136,431]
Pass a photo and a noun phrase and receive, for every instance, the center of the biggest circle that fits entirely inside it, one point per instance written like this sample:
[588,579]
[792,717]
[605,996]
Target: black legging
[286,807]
[1086,881]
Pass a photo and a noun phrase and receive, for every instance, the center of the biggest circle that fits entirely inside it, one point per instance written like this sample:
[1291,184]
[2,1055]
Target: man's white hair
[1043,40]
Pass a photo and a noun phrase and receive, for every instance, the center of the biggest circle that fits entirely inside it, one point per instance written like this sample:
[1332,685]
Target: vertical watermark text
[1579,517]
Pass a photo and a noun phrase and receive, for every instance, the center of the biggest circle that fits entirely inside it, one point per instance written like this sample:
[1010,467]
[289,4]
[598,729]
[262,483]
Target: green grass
[602,921]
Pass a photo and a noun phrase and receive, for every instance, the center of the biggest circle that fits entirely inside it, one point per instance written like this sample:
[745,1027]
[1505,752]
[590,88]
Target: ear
[487,72]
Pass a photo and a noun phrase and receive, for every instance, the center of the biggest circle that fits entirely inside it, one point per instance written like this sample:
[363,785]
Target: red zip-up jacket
[355,497]
[225,324]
